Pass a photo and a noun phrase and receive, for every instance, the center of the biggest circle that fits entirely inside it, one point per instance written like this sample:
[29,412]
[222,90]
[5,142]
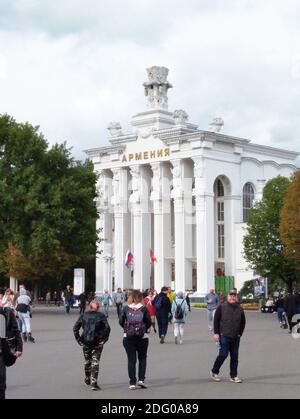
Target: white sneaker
[141,384]
[236,380]
[132,387]
[180,342]
[215,377]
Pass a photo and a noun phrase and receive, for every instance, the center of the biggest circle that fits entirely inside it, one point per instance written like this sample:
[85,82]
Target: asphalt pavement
[52,368]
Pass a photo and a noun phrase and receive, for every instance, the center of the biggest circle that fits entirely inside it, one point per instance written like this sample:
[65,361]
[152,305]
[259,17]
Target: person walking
[82,302]
[162,306]
[95,333]
[48,298]
[119,300]
[229,326]
[150,307]
[68,296]
[136,322]
[24,313]
[290,309]
[179,309]
[10,335]
[212,302]
[279,308]
[106,300]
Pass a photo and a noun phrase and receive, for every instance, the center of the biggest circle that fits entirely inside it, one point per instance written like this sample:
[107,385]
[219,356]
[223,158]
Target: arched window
[220,220]
[220,188]
[248,199]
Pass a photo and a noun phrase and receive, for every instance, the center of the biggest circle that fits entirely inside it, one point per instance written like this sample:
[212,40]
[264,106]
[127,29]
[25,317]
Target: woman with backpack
[180,309]
[136,322]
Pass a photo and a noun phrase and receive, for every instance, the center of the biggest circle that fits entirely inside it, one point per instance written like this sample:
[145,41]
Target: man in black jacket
[8,330]
[229,326]
[290,309]
[162,306]
[96,332]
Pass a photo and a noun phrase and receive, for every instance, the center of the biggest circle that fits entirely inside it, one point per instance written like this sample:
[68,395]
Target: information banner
[79,281]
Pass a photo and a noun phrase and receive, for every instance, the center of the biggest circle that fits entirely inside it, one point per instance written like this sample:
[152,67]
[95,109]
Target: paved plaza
[53,367]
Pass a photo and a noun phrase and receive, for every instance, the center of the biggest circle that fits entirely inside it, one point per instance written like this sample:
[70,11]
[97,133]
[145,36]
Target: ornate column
[183,227]
[204,230]
[139,200]
[160,196]
[104,225]
[122,241]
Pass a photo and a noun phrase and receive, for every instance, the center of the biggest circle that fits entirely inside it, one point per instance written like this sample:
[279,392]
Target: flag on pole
[152,257]
[128,258]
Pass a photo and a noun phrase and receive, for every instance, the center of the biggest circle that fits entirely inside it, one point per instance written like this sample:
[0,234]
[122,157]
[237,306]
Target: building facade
[181,193]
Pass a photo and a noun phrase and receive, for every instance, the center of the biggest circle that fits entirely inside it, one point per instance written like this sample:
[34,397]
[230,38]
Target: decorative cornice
[102,151]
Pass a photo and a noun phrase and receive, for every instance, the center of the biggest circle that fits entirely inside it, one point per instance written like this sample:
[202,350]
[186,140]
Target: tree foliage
[290,221]
[263,247]
[48,212]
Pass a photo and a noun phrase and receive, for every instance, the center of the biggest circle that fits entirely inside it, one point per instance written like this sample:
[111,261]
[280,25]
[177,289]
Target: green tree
[48,211]
[263,248]
[290,221]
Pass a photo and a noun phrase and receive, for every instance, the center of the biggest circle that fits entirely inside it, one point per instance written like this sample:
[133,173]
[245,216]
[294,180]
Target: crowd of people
[138,313]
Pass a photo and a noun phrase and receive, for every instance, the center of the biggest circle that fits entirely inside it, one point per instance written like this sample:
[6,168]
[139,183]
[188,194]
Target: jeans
[280,312]
[211,316]
[105,309]
[25,324]
[162,321]
[2,378]
[134,347]
[119,308]
[228,346]
[68,304]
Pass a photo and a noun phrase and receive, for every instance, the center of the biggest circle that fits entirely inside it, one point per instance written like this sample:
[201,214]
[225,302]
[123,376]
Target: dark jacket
[82,299]
[146,318]
[12,331]
[102,328]
[290,305]
[229,320]
[165,305]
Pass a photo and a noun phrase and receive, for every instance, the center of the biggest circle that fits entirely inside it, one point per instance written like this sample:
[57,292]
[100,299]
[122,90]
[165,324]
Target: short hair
[94,303]
[135,297]
[165,289]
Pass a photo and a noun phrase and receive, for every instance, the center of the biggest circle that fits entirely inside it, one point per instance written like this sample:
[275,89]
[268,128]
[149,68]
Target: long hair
[135,297]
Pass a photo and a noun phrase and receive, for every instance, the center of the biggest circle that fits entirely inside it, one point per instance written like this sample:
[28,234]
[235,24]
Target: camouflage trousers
[92,359]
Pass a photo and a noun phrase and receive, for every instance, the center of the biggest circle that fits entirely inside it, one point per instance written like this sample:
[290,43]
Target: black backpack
[179,314]
[95,328]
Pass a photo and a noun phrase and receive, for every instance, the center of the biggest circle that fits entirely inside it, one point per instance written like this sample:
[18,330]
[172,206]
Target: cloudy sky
[73,66]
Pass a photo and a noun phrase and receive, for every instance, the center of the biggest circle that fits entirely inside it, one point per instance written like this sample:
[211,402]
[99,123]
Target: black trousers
[136,347]
[2,378]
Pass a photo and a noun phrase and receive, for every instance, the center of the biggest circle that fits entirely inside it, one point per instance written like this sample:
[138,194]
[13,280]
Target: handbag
[8,357]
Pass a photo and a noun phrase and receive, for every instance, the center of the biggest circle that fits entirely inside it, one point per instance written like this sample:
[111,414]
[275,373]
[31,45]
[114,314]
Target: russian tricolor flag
[128,258]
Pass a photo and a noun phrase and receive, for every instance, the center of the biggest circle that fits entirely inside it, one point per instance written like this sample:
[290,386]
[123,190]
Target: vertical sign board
[79,281]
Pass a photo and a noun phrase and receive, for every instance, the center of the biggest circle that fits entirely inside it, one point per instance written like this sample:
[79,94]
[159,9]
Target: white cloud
[72,66]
